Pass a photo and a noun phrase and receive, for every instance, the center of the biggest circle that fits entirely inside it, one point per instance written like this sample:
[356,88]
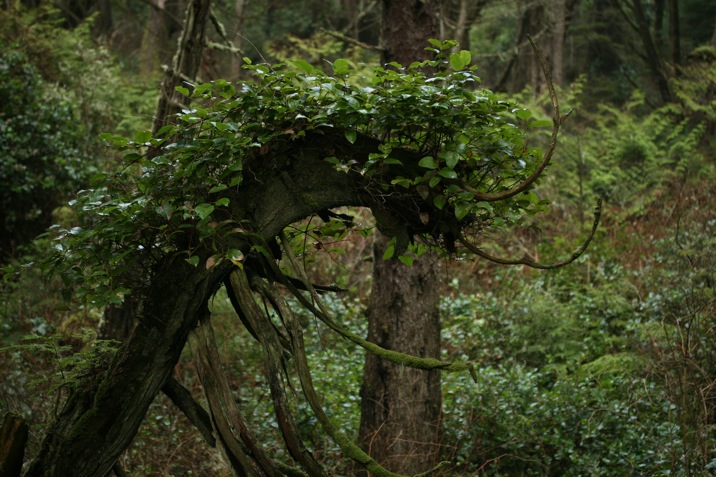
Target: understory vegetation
[605,367]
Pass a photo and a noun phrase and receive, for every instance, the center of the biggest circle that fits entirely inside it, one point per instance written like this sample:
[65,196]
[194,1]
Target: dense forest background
[605,367]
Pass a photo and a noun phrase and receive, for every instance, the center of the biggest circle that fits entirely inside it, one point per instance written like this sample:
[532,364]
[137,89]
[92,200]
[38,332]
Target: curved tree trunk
[100,418]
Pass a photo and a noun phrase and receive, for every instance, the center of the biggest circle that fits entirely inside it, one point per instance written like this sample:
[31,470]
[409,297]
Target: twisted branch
[531,263]
[322,314]
[556,123]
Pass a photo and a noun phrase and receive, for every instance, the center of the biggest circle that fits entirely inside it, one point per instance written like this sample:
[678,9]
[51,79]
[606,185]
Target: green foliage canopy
[435,140]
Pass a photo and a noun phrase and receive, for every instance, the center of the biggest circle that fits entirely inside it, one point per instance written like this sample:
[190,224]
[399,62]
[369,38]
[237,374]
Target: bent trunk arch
[98,421]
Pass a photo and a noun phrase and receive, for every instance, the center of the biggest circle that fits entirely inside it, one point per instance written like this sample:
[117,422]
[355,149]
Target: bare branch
[183,399]
[531,263]
[557,120]
[402,359]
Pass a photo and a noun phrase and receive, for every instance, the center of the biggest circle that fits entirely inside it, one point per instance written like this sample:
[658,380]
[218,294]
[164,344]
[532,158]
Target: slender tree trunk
[653,59]
[236,61]
[185,64]
[559,33]
[154,40]
[400,407]
[674,32]
[659,23]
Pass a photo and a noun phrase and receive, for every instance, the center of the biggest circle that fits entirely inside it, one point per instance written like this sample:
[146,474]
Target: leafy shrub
[40,157]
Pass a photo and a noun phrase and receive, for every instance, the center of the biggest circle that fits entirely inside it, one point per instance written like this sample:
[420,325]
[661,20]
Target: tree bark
[674,32]
[653,58]
[406,26]
[154,40]
[13,436]
[237,62]
[558,12]
[400,407]
[185,64]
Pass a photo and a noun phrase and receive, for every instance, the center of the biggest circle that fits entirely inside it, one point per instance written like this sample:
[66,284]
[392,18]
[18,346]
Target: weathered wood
[238,443]
[13,437]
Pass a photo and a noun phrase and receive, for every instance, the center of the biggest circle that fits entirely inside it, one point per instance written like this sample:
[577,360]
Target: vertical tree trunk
[236,61]
[659,23]
[400,407]
[154,40]
[558,11]
[524,68]
[674,32]
[653,59]
[185,64]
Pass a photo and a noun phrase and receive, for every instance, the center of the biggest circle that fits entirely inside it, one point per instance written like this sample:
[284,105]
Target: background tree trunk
[400,407]
[653,58]
[13,436]
[154,40]
[236,61]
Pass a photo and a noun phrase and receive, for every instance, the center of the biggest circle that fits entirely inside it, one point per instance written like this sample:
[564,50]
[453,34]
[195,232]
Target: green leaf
[390,250]
[448,173]
[351,135]
[204,210]
[218,188]
[304,66]
[459,60]
[540,123]
[451,158]
[461,209]
[523,114]
[341,67]
[182,90]
[97,179]
[402,181]
[169,128]
[193,260]
[224,201]
[428,162]
[406,259]
[142,137]
[439,201]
